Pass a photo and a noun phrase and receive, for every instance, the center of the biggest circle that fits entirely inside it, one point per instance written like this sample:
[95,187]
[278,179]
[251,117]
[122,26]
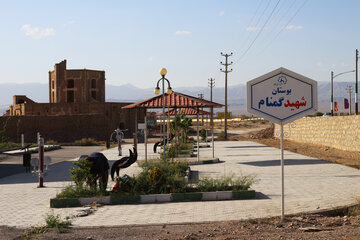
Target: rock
[310,229]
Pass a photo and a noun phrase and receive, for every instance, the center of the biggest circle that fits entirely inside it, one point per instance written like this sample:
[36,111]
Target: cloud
[182,32]
[222,13]
[36,32]
[252,29]
[150,59]
[71,22]
[291,27]
[319,63]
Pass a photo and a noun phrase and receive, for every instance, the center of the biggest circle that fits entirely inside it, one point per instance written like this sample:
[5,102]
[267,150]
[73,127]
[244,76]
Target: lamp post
[163,72]
[332,88]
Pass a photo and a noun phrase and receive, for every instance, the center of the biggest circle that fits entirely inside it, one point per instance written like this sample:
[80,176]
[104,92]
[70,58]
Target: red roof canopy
[174,100]
[185,111]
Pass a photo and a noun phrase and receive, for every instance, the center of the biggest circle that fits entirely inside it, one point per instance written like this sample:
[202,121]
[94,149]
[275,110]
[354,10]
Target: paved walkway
[310,184]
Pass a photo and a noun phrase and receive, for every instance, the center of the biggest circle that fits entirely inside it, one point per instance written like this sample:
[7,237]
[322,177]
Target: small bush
[87,142]
[56,223]
[221,136]
[51,142]
[226,183]
[202,134]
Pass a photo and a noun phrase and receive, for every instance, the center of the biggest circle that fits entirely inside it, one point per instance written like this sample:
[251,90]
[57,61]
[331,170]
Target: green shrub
[202,134]
[87,142]
[57,223]
[221,136]
[51,142]
[177,148]
[156,178]
[226,183]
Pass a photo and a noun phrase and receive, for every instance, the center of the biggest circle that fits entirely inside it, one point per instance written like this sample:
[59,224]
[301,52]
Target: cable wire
[252,43]
[287,24]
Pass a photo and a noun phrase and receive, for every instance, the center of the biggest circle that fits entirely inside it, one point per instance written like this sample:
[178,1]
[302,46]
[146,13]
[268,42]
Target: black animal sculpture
[161,143]
[99,169]
[123,163]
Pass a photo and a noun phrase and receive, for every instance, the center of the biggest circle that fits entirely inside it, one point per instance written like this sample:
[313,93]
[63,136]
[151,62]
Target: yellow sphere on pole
[163,71]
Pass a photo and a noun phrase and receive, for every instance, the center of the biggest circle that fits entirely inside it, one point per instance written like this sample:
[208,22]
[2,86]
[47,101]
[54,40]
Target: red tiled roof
[174,100]
[185,111]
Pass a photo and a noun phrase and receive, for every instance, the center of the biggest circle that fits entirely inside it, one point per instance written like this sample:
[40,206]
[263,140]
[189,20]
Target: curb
[153,198]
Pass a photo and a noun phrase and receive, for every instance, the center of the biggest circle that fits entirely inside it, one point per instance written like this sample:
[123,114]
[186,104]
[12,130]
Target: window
[93,83]
[52,84]
[93,95]
[70,96]
[70,83]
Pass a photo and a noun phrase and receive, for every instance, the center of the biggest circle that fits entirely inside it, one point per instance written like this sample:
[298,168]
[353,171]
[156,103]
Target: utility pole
[226,71]
[349,89]
[212,85]
[356,81]
[201,96]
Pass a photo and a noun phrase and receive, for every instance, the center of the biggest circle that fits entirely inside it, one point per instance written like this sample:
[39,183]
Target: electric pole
[201,96]
[349,89]
[356,81]
[211,84]
[226,71]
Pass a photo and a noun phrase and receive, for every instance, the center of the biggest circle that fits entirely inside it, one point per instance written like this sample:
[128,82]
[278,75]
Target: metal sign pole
[282,170]
[145,136]
[197,130]
[41,161]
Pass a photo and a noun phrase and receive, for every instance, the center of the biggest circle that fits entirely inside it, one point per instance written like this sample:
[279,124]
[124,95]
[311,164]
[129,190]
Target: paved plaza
[310,184]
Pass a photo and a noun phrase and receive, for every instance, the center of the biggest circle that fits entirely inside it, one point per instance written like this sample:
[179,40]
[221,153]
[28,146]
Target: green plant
[221,136]
[3,138]
[81,175]
[71,191]
[226,183]
[51,142]
[52,222]
[86,142]
[203,134]
[33,232]
[57,223]
[175,149]
[183,123]
[156,178]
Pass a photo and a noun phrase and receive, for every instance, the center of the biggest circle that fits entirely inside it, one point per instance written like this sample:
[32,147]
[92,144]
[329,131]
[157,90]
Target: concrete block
[124,199]
[151,198]
[209,196]
[64,202]
[89,200]
[224,195]
[163,197]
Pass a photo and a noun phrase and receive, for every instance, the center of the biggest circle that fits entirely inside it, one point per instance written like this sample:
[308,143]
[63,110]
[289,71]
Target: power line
[252,43]
[286,25]
[278,22]
[253,17]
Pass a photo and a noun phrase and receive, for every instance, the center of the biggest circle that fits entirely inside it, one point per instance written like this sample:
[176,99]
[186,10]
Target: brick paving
[310,185]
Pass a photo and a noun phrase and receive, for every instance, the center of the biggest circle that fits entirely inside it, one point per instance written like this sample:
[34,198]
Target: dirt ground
[342,224]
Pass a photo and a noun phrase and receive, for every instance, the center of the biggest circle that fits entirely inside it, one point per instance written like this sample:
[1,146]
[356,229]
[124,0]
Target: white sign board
[281,96]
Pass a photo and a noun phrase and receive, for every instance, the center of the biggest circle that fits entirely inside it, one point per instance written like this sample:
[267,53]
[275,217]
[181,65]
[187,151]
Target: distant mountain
[129,93]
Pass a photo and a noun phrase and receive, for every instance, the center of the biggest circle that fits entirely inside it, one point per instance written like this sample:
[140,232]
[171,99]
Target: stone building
[74,95]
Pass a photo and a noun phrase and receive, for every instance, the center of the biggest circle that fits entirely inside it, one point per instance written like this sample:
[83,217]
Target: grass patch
[52,223]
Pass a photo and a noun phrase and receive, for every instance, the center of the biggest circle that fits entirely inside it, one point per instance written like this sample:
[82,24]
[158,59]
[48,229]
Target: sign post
[282,96]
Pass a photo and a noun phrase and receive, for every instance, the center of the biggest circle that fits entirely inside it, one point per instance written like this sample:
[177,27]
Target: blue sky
[132,40]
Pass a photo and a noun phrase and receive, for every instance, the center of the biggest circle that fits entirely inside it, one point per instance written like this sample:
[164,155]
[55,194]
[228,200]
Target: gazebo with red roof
[174,100]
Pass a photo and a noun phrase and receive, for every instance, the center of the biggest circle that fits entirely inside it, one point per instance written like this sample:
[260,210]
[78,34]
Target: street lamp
[332,88]
[169,91]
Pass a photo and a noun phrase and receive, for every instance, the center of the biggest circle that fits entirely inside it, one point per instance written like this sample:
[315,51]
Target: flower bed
[155,183]
[153,198]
